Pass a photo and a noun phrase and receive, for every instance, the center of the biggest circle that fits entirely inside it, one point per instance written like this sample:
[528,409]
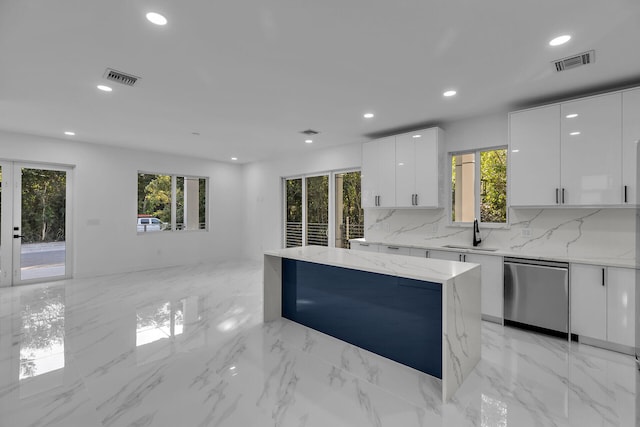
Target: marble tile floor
[186,347]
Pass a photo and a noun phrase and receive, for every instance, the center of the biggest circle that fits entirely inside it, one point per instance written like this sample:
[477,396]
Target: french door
[35,223]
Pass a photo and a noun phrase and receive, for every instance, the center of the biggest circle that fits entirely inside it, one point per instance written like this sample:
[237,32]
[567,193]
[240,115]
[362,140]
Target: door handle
[625,194]
[17,236]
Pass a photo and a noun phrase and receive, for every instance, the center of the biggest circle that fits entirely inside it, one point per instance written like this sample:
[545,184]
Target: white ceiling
[249,75]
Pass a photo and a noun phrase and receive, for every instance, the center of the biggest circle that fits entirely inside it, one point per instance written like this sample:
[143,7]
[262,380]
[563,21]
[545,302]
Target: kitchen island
[423,313]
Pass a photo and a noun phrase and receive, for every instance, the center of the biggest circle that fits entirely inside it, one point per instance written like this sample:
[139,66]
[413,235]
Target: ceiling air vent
[120,77]
[310,132]
[575,61]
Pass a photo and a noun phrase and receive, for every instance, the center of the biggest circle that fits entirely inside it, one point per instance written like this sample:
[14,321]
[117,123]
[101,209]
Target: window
[170,202]
[323,210]
[479,186]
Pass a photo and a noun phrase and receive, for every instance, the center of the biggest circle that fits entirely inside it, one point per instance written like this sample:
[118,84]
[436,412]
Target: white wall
[264,198]
[105,193]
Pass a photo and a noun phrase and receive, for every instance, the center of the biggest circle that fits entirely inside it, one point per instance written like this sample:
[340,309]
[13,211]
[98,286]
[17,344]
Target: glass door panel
[349,213]
[293,225]
[40,225]
[317,196]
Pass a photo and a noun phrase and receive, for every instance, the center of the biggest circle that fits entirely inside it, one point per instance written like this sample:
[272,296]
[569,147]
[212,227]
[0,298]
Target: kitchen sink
[474,248]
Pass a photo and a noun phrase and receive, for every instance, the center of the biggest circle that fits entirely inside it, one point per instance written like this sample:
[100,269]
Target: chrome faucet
[476,233]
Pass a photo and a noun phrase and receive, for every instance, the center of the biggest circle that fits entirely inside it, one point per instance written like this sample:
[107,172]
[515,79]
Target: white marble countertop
[499,252]
[431,270]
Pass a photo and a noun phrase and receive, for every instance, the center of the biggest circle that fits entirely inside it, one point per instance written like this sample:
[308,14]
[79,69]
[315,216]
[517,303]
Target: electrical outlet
[525,232]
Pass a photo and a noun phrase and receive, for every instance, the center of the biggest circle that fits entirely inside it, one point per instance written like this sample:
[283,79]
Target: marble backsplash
[588,234]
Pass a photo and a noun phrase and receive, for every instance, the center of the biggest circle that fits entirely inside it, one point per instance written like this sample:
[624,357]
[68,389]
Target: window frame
[331,227]
[174,201]
[476,188]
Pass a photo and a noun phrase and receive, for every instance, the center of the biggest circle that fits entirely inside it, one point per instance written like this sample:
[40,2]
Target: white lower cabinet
[393,249]
[603,303]
[422,253]
[491,279]
[363,246]
[446,255]
[621,306]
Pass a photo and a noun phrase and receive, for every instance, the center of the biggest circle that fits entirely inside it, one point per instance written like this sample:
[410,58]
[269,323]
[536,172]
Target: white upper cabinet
[576,153]
[379,173]
[630,138]
[591,153]
[404,170]
[535,156]
[419,168]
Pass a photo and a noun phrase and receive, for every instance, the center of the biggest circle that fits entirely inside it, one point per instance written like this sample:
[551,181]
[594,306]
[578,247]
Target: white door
[36,223]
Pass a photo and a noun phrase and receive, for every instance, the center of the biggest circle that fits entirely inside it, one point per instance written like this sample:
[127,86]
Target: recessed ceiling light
[400,164]
[234,158]
[156,18]
[574,133]
[515,151]
[368,115]
[417,136]
[450,93]
[104,88]
[560,40]
[69,133]
[571,116]
[308,141]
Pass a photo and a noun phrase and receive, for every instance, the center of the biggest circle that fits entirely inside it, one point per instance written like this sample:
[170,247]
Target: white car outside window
[150,224]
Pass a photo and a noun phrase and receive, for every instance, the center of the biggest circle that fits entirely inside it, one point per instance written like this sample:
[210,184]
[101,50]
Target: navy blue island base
[395,317]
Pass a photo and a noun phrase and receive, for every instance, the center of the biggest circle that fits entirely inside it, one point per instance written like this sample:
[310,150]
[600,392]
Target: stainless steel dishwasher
[536,295]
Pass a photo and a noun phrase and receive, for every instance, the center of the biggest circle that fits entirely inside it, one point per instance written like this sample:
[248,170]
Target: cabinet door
[422,253]
[369,175]
[621,306]
[396,250]
[534,161]
[492,283]
[630,138]
[446,255]
[588,301]
[405,170]
[387,172]
[366,247]
[591,151]
[429,167]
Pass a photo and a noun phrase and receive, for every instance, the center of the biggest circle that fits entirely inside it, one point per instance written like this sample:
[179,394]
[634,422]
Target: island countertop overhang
[426,269]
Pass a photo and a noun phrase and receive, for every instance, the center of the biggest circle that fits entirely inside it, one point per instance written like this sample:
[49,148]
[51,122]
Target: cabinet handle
[377,200]
[426,254]
[563,196]
[364,244]
[603,277]
[416,200]
[625,194]
[557,197]
[395,248]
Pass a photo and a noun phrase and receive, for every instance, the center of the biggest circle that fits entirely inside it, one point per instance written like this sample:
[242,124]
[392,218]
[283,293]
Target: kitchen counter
[421,312]
[605,262]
